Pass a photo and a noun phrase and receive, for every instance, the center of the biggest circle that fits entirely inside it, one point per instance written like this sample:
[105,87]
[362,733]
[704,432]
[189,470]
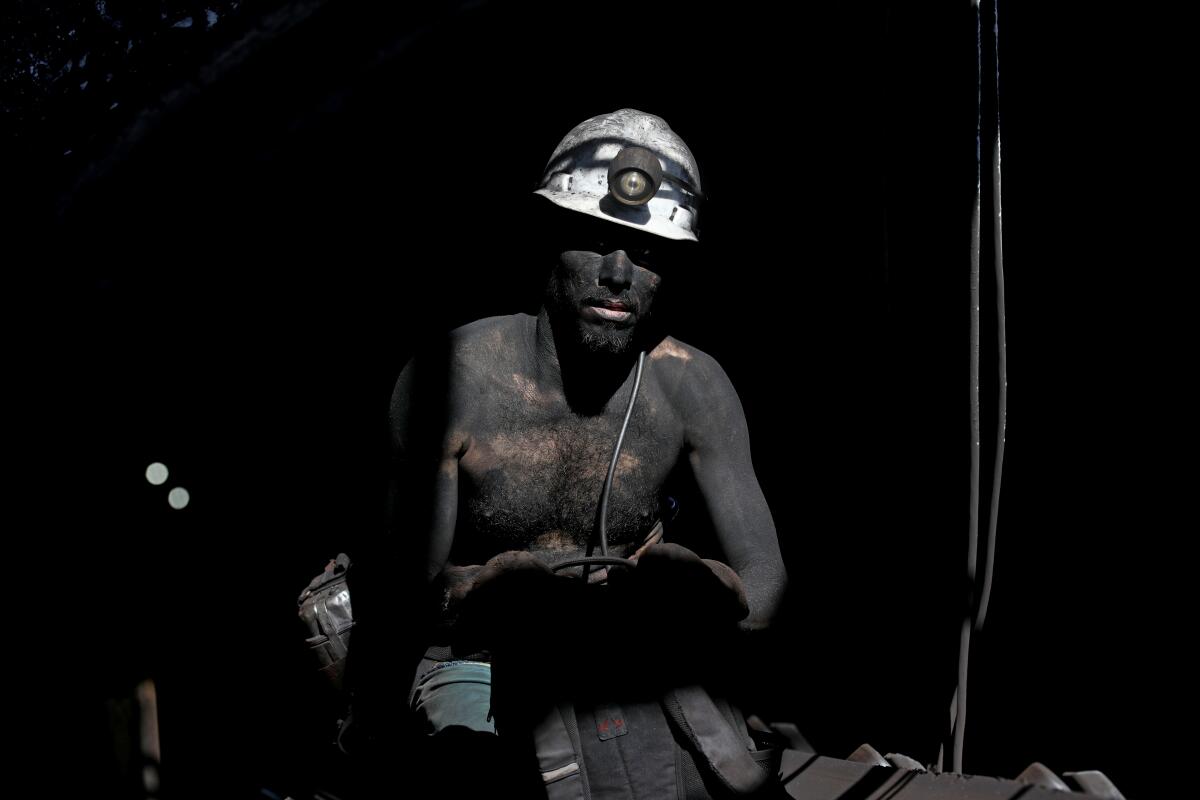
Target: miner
[531,457]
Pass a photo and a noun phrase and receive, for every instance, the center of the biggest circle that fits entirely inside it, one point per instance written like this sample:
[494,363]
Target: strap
[556,753]
[696,717]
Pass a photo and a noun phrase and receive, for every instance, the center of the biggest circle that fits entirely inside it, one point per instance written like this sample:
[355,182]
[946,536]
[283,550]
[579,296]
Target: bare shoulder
[460,359]
[488,350]
[490,336]
[705,399]
[471,348]
[442,378]
[692,379]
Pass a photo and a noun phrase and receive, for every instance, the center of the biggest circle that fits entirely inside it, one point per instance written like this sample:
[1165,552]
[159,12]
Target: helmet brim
[636,217]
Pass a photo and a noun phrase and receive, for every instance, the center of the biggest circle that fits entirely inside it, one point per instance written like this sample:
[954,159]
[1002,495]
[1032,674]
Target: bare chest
[533,473]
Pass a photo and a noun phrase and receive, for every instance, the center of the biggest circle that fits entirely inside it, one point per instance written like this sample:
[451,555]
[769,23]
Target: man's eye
[645,256]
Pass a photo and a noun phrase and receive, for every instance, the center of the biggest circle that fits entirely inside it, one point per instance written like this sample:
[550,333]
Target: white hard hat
[627,167]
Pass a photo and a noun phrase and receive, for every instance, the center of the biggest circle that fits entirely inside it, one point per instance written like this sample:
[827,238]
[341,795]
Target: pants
[453,695]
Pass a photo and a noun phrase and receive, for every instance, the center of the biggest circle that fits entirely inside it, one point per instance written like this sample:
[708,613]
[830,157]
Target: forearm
[748,539]
[765,581]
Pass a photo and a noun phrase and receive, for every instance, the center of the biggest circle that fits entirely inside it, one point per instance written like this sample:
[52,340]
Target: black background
[276,240]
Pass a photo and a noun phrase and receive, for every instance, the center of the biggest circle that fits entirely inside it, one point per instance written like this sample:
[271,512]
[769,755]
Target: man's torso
[532,469]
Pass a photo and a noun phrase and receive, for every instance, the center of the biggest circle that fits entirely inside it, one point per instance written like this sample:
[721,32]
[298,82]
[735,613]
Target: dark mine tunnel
[231,225]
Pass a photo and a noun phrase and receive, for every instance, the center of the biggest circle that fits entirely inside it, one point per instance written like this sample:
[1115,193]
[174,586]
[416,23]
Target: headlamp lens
[633,185]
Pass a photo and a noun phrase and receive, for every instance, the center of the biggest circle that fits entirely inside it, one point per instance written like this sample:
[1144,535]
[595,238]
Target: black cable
[592,561]
[1002,369]
[959,709]
[601,531]
[976,612]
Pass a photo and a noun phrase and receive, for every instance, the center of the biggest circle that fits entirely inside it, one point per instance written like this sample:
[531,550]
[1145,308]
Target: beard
[606,338]
[593,338]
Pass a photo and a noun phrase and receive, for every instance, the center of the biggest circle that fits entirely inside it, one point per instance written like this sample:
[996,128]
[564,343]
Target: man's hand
[670,576]
[511,597]
[455,584]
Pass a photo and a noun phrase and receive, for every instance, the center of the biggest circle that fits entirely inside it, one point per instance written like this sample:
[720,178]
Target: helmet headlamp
[634,176]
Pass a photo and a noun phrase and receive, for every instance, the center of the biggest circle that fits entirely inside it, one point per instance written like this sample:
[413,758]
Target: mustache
[627,300]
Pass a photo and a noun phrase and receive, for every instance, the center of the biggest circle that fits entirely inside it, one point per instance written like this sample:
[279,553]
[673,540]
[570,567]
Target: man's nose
[616,271]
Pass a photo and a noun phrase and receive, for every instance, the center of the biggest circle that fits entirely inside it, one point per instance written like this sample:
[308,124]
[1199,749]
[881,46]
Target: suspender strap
[713,740]
[556,753]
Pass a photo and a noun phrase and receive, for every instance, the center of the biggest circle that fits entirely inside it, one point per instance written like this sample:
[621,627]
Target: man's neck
[547,369]
[586,379]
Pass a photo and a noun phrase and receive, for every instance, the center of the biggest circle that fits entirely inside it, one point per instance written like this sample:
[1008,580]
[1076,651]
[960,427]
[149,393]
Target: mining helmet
[630,168]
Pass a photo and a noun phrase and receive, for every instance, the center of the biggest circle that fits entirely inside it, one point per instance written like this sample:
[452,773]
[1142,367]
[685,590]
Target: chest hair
[534,473]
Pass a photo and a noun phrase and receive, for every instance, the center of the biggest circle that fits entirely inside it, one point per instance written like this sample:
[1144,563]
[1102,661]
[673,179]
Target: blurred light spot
[150,778]
[157,473]
[178,497]
[147,700]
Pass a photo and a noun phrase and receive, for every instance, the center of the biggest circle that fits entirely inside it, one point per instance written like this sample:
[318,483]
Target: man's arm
[718,446]
[391,581]
[423,490]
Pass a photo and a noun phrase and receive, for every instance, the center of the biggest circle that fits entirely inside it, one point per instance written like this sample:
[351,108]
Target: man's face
[604,283]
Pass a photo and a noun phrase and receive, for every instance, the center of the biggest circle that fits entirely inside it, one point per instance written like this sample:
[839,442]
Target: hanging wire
[601,532]
[1001,351]
[976,608]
